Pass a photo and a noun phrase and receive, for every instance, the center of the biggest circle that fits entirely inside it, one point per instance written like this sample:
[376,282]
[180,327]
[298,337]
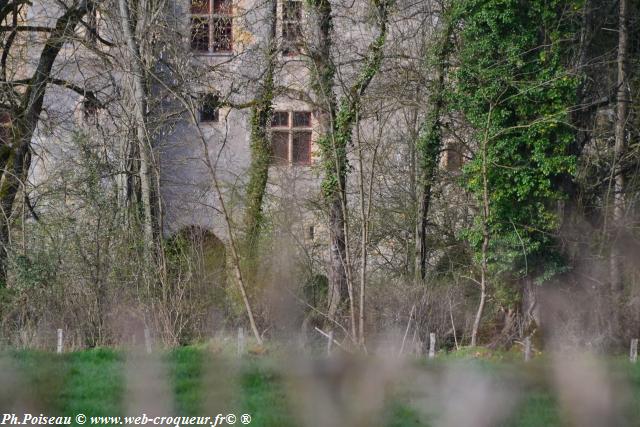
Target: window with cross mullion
[211,26]
[291,138]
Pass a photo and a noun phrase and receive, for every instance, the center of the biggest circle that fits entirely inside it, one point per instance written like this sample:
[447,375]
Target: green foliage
[315,290]
[334,149]
[186,373]
[83,244]
[33,270]
[89,382]
[504,294]
[515,91]
[324,70]
[429,141]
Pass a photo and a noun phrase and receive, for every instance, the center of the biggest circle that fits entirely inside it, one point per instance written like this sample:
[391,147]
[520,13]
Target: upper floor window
[209,109]
[211,26]
[291,27]
[291,137]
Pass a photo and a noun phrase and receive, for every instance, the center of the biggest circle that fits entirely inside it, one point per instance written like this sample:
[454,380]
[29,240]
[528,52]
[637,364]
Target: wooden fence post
[432,345]
[633,352]
[240,341]
[147,340]
[527,349]
[59,347]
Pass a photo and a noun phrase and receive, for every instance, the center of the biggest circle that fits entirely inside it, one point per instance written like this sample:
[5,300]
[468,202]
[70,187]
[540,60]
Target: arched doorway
[197,279]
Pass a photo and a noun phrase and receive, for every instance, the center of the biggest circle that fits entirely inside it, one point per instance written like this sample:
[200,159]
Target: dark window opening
[222,31]
[280,119]
[454,160]
[210,111]
[222,7]
[301,148]
[301,119]
[292,10]
[90,111]
[291,27]
[280,148]
[200,34]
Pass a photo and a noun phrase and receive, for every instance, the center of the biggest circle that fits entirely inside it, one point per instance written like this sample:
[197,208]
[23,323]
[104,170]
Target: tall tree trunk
[337,128]
[484,266]
[18,161]
[581,119]
[323,81]
[140,109]
[365,215]
[619,152]
[429,146]
[338,289]
[260,147]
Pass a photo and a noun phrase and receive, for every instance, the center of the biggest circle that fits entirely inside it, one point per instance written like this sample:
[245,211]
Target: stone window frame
[215,15]
[290,129]
[290,31]
[209,108]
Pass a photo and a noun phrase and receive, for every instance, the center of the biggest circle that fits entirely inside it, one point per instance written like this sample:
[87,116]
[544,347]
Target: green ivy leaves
[511,62]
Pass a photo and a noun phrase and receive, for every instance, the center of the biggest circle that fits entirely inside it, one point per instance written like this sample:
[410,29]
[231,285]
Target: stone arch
[196,260]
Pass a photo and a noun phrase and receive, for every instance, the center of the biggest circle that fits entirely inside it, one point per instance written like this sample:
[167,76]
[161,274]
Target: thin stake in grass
[527,349]
[240,341]
[432,345]
[59,347]
[147,340]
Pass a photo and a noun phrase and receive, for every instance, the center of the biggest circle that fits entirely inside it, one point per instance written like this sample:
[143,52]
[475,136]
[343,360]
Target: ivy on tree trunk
[336,137]
[260,147]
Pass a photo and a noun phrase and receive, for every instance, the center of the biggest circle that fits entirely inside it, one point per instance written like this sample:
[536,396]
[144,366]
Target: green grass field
[92,382]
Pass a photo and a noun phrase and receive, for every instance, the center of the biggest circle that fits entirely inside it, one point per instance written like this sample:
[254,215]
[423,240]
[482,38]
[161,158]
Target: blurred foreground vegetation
[93,382]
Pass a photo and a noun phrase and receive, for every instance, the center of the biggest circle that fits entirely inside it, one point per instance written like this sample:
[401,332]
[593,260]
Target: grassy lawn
[89,382]
[185,371]
[92,382]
